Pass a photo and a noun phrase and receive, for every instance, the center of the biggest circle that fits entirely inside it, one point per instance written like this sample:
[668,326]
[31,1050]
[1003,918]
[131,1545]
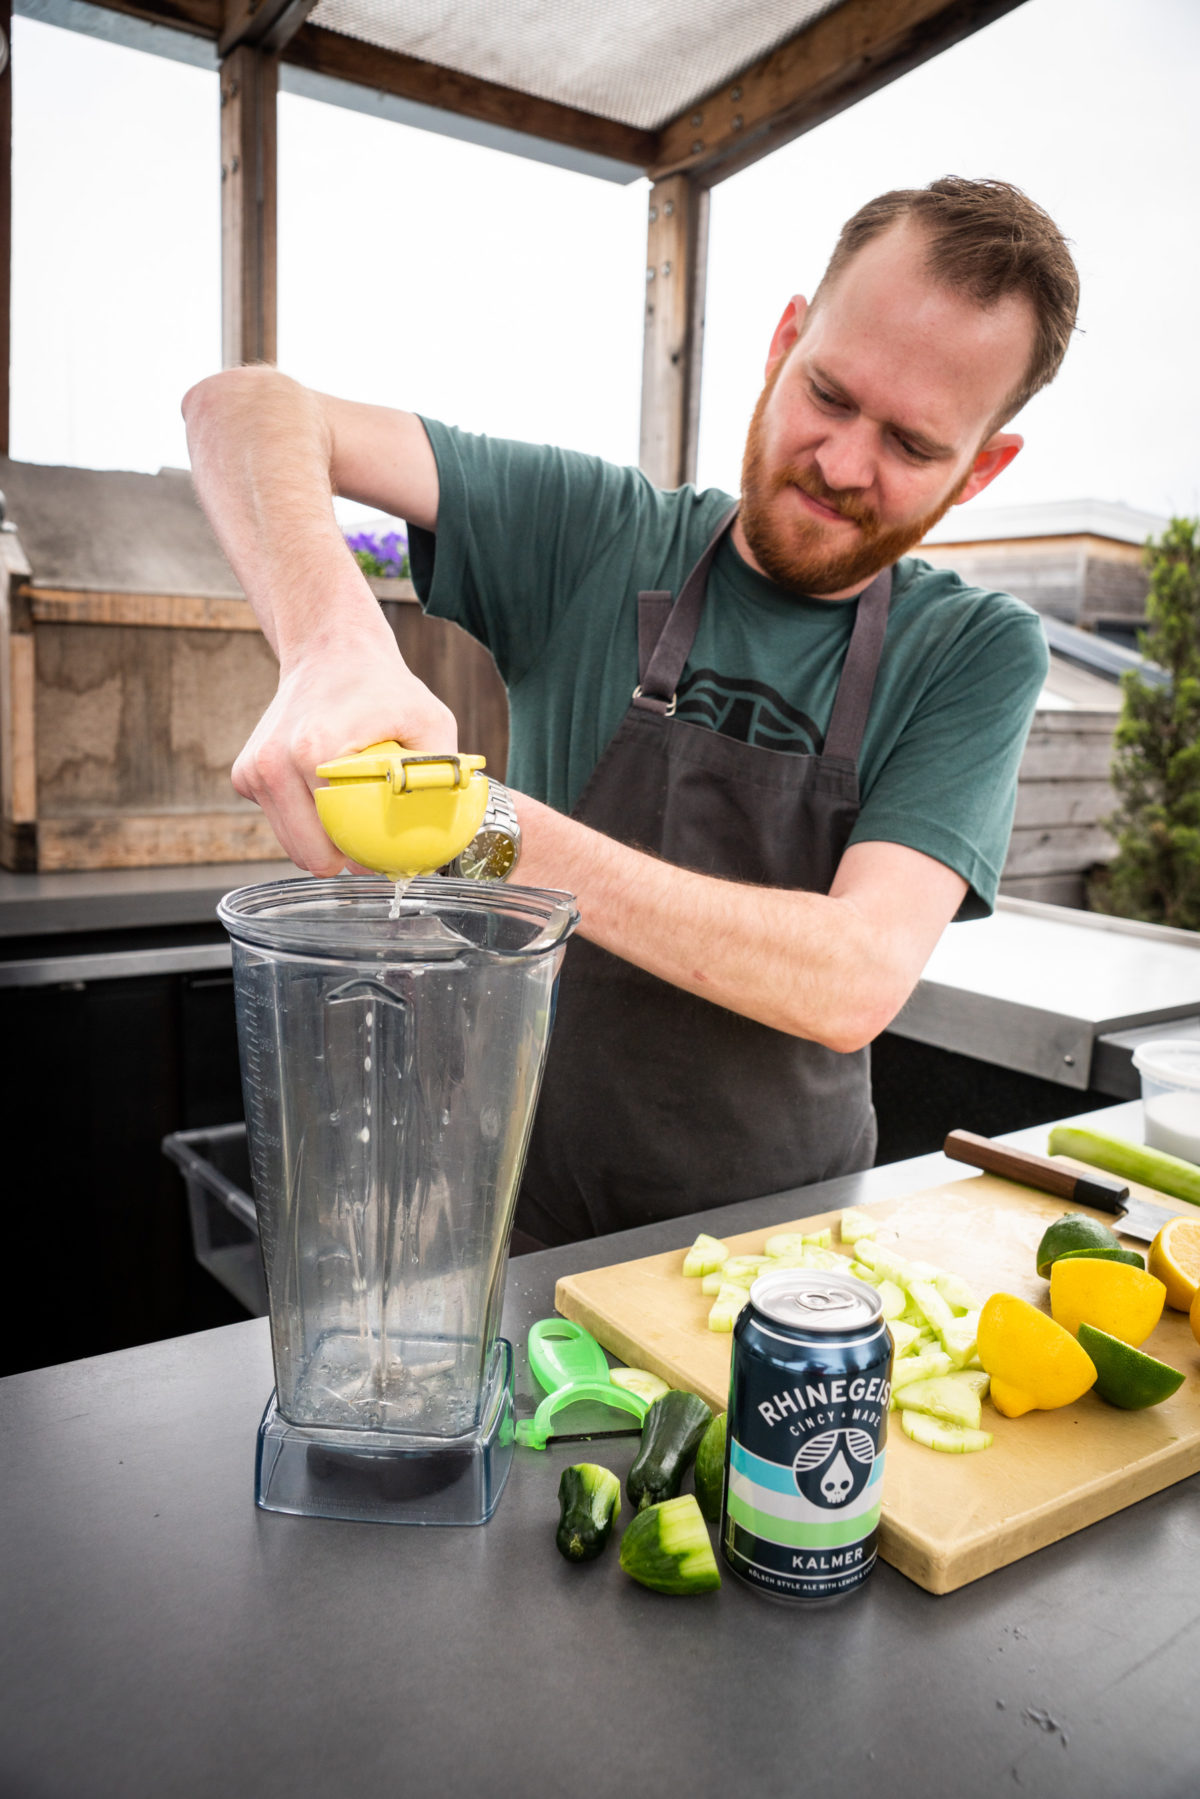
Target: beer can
[808,1406]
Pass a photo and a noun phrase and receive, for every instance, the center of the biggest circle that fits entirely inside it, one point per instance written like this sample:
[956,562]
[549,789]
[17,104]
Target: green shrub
[1155,874]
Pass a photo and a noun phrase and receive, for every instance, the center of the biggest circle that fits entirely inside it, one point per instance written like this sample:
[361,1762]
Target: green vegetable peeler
[569,1365]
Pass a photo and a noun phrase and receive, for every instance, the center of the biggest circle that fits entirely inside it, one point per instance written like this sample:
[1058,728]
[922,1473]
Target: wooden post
[5,222]
[249,86]
[676,264]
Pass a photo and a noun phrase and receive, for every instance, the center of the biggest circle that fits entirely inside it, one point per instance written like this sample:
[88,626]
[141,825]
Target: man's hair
[985,241]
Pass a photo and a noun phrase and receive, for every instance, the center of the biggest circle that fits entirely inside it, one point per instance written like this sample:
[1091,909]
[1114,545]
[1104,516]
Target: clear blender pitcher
[390,1067]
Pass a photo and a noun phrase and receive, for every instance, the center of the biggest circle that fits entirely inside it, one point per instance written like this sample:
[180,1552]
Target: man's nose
[846,458]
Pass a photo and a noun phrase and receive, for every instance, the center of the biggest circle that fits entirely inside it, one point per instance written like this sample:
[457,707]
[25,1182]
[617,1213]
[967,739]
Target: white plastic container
[1170,1071]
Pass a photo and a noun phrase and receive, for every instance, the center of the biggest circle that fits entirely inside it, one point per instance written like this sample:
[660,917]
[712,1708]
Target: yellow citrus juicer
[399,813]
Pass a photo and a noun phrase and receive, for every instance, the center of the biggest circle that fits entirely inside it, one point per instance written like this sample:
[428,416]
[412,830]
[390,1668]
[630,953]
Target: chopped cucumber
[726,1306]
[783,1243]
[976,1379]
[667,1549]
[945,1397]
[589,1501]
[809,1256]
[819,1239]
[922,1367]
[926,1297]
[956,1293]
[640,1381]
[705,1254]
[743,1268]
[934,1433]
[861,1272]
[1152,1167]
[856,1224]
[886,1263]
[724,1277]
[958,1338]
[893,1299]
[903,1335]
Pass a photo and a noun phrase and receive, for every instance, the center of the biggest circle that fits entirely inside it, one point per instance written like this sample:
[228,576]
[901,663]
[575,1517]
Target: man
[818,767]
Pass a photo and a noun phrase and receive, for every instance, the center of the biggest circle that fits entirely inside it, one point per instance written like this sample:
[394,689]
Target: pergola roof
[641,62]
[613,87]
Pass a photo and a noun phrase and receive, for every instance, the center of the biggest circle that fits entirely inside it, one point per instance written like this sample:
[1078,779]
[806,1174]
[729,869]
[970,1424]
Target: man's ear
[787,330]
[995,455]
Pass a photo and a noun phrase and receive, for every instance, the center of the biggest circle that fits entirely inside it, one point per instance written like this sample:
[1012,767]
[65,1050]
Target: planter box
[121,715]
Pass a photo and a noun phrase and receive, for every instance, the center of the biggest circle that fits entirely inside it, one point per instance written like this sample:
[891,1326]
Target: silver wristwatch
[495,849]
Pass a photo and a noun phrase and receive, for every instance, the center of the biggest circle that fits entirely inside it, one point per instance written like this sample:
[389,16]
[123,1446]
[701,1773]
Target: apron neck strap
[853,702]
[662,653]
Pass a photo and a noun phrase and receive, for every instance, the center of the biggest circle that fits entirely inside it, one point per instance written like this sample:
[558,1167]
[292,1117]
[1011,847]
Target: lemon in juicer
[399,813]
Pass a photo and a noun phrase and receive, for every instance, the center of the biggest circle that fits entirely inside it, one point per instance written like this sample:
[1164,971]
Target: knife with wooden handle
[1132,1217]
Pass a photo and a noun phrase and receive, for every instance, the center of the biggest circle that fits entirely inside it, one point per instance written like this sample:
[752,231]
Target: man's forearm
[261,451]
[832,968]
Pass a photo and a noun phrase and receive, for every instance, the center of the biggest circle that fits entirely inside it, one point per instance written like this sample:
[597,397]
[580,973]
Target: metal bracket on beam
[267,24]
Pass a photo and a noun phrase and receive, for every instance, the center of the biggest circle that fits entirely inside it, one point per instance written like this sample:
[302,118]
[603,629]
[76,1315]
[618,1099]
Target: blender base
[314,1471]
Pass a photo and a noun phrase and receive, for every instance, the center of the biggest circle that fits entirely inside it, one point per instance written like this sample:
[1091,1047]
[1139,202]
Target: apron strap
[857,683]
[659,677]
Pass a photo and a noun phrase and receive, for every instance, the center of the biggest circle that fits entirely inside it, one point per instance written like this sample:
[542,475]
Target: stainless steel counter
[1034,987]
[164,1638]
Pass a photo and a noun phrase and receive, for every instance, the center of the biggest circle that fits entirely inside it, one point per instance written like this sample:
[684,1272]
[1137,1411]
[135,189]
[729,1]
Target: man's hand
[332,702]
[834,968]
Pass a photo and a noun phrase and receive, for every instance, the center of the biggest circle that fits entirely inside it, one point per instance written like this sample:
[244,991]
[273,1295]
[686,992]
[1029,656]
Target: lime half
[1126,1376]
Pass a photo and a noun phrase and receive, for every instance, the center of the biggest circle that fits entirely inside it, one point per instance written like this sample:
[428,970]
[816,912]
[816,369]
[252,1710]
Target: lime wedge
[1129,1256]
[1126,1376]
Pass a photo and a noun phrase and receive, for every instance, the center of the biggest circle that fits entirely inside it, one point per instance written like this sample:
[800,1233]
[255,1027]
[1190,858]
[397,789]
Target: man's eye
[822,397]
[913,453]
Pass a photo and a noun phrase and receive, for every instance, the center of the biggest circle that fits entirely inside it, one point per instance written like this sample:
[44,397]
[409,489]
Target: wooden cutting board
[947,1519]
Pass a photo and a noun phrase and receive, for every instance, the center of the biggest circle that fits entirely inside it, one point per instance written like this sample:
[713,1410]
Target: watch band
[495,849]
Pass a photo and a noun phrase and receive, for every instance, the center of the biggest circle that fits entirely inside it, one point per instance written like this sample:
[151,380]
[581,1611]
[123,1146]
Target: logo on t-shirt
[747,710]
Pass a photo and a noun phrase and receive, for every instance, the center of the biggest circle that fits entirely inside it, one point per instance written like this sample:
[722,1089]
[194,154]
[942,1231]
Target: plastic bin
[215,1165]
[1170,1071]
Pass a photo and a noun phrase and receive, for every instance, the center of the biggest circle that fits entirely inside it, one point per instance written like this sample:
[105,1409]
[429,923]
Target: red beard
[795,554]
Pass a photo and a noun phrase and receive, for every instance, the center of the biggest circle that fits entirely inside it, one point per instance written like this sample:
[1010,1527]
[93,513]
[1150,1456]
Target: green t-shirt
[541,553]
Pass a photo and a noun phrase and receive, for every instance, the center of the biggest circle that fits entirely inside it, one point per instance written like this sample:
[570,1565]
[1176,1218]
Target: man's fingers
[284,796]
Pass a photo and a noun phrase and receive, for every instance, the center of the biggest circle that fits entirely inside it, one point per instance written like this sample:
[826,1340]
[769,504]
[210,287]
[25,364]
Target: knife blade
[1137,1218]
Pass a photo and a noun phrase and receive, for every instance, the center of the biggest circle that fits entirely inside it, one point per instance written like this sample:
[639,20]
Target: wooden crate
[121,715]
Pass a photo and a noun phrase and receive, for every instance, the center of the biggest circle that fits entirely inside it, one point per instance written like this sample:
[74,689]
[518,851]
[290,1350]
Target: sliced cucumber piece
[705,1254]
[926,1297]
[955,1291]
[934,1433]
[856,1224]
[667,1549]
[861,1272]
[903,1335]
[958,1338]
[923,1367]
[945,1396]
[892,1298]
[640,1380]
[784,1243]
[726,1306]
[712,1283]
[818,1239]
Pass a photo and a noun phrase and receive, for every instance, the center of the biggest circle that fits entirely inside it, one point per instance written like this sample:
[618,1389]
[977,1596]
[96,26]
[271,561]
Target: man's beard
[794,555]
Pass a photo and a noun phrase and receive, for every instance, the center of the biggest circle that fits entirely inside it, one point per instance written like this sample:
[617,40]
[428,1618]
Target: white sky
[507,296]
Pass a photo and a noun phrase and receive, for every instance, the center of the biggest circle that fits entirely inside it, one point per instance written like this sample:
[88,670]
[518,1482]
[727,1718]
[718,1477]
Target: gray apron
[656,1103]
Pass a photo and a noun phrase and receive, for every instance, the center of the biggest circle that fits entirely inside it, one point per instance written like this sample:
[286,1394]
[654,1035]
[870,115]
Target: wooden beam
[202,18]
[249,87]
[408,78]
[268,23]
[5,223]
[846,55]
[676,267]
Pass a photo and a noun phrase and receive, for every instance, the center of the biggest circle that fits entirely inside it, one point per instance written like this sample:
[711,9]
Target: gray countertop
[163,1637]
